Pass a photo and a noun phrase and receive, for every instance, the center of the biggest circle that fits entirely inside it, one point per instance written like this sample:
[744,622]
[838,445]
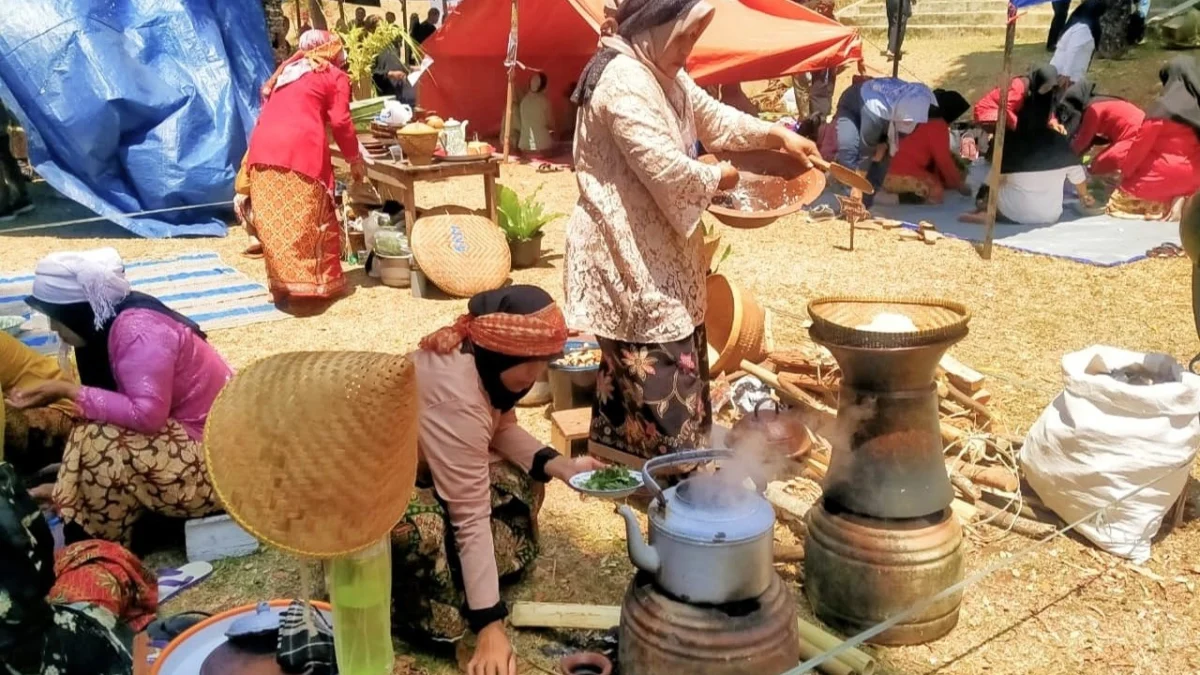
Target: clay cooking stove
[883,537]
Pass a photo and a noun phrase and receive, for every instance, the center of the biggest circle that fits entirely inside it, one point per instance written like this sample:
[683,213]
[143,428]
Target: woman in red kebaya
[289,172]
[1092,119]
[924,167]
[1163,163]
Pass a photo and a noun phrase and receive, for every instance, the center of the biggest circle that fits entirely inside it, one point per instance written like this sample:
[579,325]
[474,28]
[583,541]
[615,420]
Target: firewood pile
[981,455]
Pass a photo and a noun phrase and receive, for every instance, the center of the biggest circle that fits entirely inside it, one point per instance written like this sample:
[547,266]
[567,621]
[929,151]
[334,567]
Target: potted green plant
[392,258]
[522,221]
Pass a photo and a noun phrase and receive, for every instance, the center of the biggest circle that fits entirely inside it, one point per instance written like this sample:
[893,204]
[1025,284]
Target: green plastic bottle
[360,589]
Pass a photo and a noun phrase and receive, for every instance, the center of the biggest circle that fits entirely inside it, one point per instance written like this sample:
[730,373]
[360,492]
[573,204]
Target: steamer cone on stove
[883,538]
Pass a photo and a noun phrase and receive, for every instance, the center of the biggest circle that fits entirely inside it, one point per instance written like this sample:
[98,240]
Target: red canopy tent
[748,40]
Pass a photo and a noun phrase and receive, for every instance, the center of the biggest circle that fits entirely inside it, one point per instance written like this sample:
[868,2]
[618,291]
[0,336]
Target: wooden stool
[569,430]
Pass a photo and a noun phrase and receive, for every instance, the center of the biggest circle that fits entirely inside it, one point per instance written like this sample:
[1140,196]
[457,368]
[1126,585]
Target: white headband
[96,277]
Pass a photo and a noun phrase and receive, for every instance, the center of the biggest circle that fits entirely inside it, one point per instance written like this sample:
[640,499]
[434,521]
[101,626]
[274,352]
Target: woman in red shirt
[924,168]
[1091,119]
[1163,162]
[290,174]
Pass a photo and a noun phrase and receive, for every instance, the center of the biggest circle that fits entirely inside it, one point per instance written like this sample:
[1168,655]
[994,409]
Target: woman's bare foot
[976,217]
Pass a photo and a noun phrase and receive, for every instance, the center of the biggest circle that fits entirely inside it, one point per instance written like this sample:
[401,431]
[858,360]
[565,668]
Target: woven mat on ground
[1094,240]
[197,285]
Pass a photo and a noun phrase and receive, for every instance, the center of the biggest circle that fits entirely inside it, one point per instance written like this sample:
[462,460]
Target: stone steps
[955,31]
[943,6]
[943,18]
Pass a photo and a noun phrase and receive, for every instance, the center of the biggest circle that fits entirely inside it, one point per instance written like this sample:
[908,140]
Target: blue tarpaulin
[136,105]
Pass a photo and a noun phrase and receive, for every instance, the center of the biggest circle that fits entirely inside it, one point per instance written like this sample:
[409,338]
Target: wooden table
[397,181]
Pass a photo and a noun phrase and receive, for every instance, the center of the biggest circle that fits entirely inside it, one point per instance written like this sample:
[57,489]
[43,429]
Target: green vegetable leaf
[521,219]
[611,479]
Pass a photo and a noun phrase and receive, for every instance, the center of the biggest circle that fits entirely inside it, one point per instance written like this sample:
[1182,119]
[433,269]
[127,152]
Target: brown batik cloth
[35,438]
[427,587]
[111,476]
[653,399]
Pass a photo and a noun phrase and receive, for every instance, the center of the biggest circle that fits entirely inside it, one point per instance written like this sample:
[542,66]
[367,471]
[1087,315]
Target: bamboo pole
[299,22]
[1001,125]
[856,659]
[512,72]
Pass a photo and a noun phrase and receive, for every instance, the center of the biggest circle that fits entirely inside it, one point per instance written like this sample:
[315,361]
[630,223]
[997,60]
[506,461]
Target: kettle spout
[643,555]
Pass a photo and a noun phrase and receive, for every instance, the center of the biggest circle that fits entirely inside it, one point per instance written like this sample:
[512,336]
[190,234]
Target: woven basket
[418,147]
[462,255]
[735,324]
[836,321]
[315,453]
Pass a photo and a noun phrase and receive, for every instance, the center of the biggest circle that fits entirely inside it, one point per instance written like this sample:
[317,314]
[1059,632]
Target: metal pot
[710,539]
[784,435]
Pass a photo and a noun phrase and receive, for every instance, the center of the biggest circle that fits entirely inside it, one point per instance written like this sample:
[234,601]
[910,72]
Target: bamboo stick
[992,476]
[794,396]
[512,74]
[788,554]
[965,486]
[1007,520]
[857,659]
[1001,125]
[561,615]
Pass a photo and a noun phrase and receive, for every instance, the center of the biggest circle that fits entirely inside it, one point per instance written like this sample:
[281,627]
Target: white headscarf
[903,104]
[96,277]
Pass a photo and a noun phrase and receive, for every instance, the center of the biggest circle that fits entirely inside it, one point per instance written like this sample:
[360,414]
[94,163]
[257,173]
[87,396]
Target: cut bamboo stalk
[856,658]
[788,554]
[965,486]
[561,615]
[833,666]
[1009,521]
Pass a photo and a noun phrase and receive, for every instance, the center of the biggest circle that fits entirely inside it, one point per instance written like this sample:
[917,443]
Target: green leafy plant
[391,242]
[362,48]
[725,253]
[521,219]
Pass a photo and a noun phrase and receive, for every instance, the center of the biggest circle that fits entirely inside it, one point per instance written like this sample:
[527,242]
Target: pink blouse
[163,371]
[460,435]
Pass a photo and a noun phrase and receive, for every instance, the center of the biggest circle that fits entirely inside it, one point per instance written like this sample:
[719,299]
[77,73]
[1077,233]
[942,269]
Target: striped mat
[198,285]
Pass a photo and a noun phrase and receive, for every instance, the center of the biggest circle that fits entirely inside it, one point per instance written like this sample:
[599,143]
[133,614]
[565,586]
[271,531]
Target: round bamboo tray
[461,254]
[836,321]
[315,453]
[735,325]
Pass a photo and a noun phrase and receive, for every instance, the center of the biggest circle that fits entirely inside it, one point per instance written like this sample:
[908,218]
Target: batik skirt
[66,615]
[295,219]
[1124,205]
[925,185]
[652,399]
[34,438]
[111,476]
[427,585]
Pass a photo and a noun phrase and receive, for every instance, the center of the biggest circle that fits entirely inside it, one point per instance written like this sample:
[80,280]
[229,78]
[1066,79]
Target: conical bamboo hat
[316,452]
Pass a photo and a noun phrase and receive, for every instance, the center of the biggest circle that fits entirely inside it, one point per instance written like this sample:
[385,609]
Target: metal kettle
[710,540]
[783,434]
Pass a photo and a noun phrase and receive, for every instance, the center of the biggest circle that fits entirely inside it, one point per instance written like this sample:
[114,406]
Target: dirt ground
[1066,609]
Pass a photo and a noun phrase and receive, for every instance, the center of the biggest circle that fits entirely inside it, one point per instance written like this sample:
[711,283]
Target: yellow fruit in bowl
[435,122]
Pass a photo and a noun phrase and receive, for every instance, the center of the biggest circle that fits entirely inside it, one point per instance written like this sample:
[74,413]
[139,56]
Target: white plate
[579,480]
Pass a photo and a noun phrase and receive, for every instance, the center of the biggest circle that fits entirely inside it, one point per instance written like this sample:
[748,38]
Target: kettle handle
[685,457]
[758,406]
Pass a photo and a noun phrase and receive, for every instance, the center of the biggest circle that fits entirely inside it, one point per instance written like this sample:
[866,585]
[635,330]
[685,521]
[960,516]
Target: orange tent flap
[748,40]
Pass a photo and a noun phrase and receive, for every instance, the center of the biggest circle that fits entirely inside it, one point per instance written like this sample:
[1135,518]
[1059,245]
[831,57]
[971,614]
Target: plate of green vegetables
[611,482]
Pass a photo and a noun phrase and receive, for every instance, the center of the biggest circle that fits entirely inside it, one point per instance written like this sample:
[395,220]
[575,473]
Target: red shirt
[1112,120]
[1163,161]
[290,133]
[927,151]
[987,109]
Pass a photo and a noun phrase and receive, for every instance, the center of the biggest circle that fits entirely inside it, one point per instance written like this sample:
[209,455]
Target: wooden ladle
[844,175]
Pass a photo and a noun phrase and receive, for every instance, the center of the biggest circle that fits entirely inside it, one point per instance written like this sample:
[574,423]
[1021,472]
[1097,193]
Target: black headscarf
[633,17]
[95,367]
[1089,12]
[1075,100]
[490,364]
[1033,145]
[950,105]
[1180,98]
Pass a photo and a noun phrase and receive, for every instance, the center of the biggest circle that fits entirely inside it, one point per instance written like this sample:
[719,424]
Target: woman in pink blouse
[148,380]
[634,272]
[472,520]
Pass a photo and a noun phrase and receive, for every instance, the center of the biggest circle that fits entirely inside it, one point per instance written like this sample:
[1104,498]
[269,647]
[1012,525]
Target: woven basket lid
[836,321]
[461,254]
[315,453]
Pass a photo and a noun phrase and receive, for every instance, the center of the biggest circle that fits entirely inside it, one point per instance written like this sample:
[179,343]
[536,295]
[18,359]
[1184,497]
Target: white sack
[1102,438]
